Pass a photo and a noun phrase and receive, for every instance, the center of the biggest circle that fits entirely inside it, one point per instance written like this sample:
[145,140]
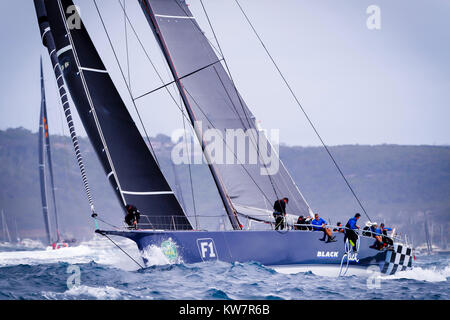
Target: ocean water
[97,269]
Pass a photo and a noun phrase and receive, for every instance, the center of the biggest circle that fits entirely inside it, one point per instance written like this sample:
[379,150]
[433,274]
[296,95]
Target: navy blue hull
[271,248]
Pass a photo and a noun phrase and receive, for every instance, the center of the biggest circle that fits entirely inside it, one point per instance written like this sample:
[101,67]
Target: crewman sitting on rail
[319,225]
[301,224]
[377,234]
[386,239]
[308,221]
[132,217]
[339,228]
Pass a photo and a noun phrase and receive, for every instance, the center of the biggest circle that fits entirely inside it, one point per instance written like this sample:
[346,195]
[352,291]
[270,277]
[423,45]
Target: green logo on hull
[170,250]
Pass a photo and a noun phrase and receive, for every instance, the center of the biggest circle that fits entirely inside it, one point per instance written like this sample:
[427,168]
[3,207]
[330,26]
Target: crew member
[350,232]
[339,228]
[308,221]
[377,234]
[132,217]
[301,224]
[279,212]
[319,225]
[367,229]
[386,239]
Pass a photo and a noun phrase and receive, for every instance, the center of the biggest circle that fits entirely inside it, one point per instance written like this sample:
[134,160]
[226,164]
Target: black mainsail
[211,98]
[126,159]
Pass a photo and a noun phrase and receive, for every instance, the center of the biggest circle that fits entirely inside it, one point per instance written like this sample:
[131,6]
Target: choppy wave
[107,273]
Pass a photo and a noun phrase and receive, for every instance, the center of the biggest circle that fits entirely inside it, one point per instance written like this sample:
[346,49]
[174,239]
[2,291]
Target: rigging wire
[229,148]
[175,81]
[90,101]
[148,57]
[164,86]
[228,69]
[212,124]
[190,171]
[273,184]
[245,111]
[126,84]
[126,44]
[302,109]
[199,107]
[246,115]
[129,256]
[66,106]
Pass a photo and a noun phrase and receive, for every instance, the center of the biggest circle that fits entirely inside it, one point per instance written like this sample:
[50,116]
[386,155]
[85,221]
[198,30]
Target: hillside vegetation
[396,184]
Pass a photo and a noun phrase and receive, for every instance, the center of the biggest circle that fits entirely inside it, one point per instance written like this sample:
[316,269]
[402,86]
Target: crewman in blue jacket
[384,230]
[350,232]
[378,236]
[319,225]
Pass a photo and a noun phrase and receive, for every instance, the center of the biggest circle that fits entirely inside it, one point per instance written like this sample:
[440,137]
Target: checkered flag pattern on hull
[398,259]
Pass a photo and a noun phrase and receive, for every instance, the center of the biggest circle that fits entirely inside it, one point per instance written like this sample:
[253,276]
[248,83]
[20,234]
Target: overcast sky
[358,85]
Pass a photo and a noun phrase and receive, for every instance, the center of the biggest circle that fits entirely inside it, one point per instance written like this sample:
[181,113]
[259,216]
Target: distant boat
[5,229]
[45,164]
[247,190]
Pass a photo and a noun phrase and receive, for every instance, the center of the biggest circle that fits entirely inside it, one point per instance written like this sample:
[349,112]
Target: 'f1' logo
[207,249]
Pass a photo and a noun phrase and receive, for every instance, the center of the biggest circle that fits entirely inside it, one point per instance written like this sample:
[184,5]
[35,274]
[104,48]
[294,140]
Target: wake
[430,274]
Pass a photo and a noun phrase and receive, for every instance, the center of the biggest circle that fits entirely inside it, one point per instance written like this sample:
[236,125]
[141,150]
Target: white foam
[30,244]
[154,256]
[101,293]
[24,243]
[420,274]
[99,250]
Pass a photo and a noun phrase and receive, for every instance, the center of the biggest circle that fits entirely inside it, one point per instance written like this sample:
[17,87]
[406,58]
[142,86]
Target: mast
[16,229]
[6,234]
[41,147]
[48,41]
[129,166]
[231,211]
[427,234]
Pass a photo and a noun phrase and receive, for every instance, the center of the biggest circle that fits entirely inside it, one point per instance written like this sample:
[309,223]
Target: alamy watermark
[229,146]
[74,19]
[374,280]
[373,21]
[74,279]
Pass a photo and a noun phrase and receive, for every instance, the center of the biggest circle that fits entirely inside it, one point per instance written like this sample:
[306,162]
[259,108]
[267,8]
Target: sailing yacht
[209,97]
[45,164]
[5,230]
